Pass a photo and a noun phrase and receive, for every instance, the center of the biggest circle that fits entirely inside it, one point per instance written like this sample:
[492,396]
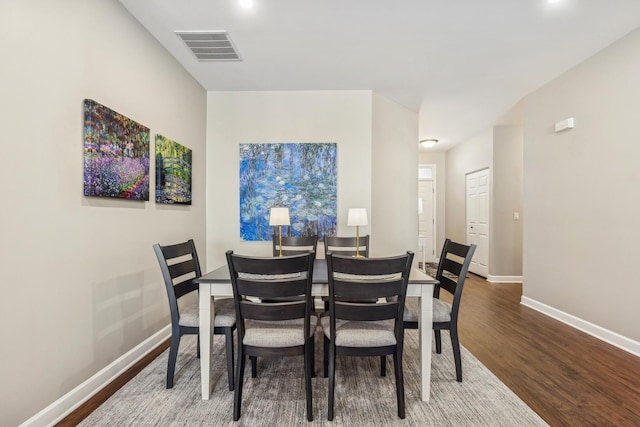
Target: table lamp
[279,217]
[357,217]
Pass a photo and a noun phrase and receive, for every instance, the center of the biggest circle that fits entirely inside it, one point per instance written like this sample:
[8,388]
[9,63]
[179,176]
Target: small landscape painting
[298,176]
[173,172]
[116,154]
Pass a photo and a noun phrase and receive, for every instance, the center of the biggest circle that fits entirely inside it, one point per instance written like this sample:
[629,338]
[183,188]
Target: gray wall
[81,285]
[500,150]
[581,194]
[506,250]
[394,185]
[471,156]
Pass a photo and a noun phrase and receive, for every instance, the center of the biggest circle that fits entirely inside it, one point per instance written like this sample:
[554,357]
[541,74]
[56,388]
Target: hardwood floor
[568,377]
[82,412]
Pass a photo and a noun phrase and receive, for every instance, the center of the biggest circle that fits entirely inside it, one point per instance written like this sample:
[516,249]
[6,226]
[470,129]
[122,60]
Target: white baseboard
[504,279]
[613,338]
[62,407]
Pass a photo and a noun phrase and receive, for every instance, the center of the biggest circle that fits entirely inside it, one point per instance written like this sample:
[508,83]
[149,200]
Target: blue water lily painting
[298,176]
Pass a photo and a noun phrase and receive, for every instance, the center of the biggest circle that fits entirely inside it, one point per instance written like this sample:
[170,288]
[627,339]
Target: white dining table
[217,283]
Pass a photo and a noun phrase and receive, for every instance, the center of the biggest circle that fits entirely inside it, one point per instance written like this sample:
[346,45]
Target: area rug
[276,397]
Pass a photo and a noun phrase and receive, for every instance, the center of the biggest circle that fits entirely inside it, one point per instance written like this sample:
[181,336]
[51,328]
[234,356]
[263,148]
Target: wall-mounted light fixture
[565,124]
[428,143]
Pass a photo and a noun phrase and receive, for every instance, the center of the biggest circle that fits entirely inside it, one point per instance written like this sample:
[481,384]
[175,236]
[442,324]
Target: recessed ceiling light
[246,4]
[553,1]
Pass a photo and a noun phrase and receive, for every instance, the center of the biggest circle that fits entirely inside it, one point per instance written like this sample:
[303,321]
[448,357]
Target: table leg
[206,314]
[425,326]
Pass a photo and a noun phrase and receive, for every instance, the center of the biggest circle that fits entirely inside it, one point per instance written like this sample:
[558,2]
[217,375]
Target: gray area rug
[276,397]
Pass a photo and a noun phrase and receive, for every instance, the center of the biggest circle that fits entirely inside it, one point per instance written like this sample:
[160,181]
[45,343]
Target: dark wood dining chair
[179,265]
[273,329]
[290,246]
[451,274]
[345,246]
[361,328]
[294,245]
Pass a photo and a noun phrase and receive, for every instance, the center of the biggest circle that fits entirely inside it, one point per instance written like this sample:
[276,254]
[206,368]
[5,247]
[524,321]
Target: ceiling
[461,64]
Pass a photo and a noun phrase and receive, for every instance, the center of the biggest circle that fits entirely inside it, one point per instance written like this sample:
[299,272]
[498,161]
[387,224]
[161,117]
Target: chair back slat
[183,268]
[366,311]
[294,245]
[354,290]
[177,250]
[451,266]
[183,288]
[269,266]
[346,245]
[277,310]
[448,284]
[270,288]
[457,249]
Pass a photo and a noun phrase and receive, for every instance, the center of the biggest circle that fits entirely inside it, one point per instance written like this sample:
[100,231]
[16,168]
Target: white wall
[343,117]
[581,193]
[395,179]
[80,283]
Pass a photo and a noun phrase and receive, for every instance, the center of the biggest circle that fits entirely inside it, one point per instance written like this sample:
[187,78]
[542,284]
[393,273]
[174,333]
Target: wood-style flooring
[568,377]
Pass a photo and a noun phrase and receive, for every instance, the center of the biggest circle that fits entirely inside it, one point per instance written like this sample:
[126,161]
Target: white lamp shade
[279,216]
[357,216]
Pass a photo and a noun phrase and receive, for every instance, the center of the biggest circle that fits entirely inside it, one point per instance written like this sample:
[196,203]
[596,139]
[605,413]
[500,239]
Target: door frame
[489,208]
[431,166]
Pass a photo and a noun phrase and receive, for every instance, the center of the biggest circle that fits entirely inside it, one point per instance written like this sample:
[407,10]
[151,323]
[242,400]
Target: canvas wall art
[116,154]
[299,176]
[173,172]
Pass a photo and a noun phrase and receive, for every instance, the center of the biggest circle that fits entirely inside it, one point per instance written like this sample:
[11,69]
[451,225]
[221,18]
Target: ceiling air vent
[210,45]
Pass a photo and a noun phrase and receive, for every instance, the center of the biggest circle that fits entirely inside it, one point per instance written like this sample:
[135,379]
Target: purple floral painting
[116,154]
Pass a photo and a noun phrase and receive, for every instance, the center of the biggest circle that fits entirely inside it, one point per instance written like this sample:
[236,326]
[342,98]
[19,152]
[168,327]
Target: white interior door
[426,221]
[478,187]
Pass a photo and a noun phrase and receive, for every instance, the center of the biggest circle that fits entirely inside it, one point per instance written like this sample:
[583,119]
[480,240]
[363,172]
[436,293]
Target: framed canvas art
[173,172]
[116,154]
[298,176]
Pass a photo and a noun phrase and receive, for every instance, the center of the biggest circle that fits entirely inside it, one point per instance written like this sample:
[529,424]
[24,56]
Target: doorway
[477,219]
[426,214]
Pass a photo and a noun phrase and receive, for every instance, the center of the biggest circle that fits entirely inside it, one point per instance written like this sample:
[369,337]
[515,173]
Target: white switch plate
[516,216]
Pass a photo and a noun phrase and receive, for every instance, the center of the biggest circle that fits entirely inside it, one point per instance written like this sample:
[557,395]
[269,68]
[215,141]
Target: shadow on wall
[126,311]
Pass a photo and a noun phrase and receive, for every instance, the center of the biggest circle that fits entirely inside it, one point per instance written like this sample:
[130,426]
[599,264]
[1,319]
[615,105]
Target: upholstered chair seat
[352,333]
[225,314]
